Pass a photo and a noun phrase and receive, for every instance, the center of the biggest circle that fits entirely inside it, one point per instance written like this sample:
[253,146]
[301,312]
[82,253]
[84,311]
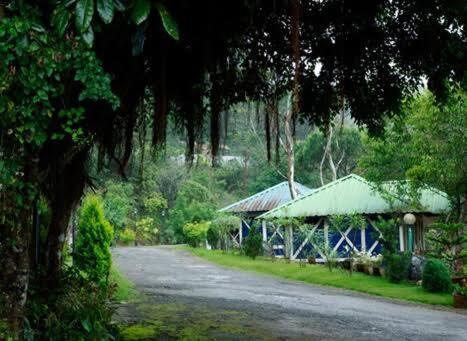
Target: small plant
[127,236]
[436,277]
[92,251]
[253,245]
[397,266]
[195,233]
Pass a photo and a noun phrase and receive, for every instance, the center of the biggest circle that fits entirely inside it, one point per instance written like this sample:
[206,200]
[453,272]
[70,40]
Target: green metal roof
[354,194]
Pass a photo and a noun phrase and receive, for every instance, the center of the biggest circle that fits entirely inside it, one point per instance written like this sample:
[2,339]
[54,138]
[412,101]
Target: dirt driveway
[221,303]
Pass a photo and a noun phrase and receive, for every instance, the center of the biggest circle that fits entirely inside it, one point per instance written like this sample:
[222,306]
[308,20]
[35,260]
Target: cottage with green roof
[355,195]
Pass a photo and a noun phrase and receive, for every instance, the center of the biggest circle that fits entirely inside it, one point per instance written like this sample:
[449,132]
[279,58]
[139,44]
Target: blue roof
[267,200]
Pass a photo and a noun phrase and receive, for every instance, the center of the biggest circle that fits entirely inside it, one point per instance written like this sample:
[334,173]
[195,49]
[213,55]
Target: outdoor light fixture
[409,219]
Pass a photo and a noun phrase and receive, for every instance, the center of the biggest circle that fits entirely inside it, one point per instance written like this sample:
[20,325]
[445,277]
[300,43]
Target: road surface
[283,309]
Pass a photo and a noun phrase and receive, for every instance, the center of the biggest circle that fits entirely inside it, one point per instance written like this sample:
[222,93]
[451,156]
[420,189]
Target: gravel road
[287,309]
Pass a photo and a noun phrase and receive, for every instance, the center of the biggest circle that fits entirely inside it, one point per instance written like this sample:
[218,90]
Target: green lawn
[318,274]
[125,290]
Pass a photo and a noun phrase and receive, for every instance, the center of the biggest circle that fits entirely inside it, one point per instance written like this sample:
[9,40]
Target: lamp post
[409,220]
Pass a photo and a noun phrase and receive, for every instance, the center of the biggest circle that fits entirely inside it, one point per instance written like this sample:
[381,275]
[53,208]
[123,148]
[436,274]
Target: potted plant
[376,264]
[460,296]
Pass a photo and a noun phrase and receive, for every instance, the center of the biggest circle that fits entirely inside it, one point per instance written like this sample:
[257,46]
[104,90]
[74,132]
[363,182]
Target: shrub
[79,310]
[92,251]
[212,237]
[436,277]
[195,233]
[222,226]
[253,244]
[194,203]
[127,236]
[397,266]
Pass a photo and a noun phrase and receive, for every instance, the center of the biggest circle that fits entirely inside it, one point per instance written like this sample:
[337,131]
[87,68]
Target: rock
[416,268]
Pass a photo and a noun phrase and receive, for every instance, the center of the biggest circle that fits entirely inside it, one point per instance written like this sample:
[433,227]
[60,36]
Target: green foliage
[221,227]
[346,145]
[146,230]
[92,247]
[195,233]
[426,146]
[194,203]
[141,11]
[167,21]
[118,203]
[390,235]
[397,266]
[436,277]
[127,236]
[253,244]
[447,241]
[80,310]
[212,237]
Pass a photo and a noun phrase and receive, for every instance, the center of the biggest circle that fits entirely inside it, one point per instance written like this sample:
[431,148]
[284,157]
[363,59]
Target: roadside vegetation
[132,122]
[319,274]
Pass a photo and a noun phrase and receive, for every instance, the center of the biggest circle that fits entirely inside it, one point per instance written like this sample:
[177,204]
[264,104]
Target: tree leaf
[168,21]
[141,11]
[105,8]
[88,36]
[60,20]
[119,6]
[86,325]
[84,12]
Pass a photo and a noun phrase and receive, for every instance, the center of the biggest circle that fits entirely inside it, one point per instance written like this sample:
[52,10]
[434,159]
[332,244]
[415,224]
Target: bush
[222,226]
[212,237]
[436,277]
[397,266]
[195,233]
[92,251]
[127,236]
[79,310]
[253,245]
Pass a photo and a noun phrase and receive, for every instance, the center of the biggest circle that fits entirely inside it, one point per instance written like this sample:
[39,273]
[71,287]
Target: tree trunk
[64,195]
[15,241]
[293,110]
[267,129]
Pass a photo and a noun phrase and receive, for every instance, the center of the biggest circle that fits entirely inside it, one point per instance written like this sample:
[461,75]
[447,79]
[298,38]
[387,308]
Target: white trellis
[307,239]
[237,236]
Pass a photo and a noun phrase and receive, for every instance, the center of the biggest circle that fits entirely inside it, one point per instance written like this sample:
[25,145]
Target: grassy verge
[125,290]
[318,274]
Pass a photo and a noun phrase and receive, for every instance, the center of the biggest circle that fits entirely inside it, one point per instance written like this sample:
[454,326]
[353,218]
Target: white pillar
[289,242]
[326,232]
[401,238]
[240,233]
[265,231]
[363,238]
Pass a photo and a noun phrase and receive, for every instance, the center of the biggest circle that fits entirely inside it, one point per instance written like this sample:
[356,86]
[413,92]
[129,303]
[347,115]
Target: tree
[92,251]
[194,204]
[369,53]
[40,119]
[427,146]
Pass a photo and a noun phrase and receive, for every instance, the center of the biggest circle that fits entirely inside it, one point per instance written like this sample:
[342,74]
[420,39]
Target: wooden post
[265,231]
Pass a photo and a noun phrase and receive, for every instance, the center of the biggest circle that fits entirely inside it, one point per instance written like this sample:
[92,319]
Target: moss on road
[318,274]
